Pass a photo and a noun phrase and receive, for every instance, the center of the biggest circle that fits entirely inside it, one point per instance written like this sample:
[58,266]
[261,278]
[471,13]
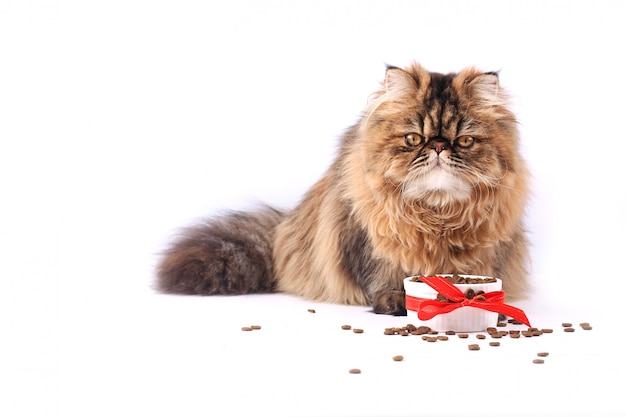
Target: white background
[121,121]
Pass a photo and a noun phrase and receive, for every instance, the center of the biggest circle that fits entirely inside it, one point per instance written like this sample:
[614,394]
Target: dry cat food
[432,336]
[310,310]
[357,330]
[247,329]
[346,327]
[408,329]
[355,371]
[569,330]
[459,279]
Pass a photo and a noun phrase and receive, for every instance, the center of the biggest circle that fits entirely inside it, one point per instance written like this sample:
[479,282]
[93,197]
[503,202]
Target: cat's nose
[439,144]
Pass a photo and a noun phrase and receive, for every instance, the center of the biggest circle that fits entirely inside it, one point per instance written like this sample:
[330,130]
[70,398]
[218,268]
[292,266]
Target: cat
[430,180]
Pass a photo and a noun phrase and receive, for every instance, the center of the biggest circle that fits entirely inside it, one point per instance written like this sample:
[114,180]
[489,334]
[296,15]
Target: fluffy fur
[430,180]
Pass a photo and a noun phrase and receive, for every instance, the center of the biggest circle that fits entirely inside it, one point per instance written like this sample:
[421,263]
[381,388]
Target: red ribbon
[427,309]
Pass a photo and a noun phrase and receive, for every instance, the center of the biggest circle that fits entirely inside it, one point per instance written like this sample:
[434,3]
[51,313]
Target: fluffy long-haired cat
[430,180]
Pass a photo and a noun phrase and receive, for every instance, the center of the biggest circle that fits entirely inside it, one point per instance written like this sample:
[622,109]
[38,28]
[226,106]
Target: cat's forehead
[440,90]
[439,109]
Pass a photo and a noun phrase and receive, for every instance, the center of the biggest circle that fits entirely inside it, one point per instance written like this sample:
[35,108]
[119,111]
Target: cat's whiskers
[413,175]
[463,174]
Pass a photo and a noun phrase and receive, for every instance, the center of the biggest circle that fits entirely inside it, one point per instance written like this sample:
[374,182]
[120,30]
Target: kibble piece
[501,324]
[398,358]
[442,299]
[431,339]
[348,327]
[538,360]
[355,371]
[543,354]
[481,336]
[403,333]
[469,294]
[310,310]
[494,343]
[422,329]
[491,330]
[255,327]
[452,332]
[473,347]
[586,326]
[357,330]
[547,330]
[387,331]
[527,333]
[569,329]
[463,335]
[246,329]
[514,335]
[442,338]
[410,327]
[566,324]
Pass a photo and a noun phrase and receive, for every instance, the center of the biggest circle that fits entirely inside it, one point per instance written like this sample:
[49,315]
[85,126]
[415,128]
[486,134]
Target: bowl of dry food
[460,303]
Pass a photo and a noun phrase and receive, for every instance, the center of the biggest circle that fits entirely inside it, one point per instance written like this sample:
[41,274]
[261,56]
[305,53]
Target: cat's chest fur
[430,240]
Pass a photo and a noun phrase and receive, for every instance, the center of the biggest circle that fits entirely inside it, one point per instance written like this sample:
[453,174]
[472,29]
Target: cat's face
[439,138]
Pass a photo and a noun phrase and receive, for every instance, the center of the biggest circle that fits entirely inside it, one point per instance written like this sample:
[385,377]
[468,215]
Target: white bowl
[463,319]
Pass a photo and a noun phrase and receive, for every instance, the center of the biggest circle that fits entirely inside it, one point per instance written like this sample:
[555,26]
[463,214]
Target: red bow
[427,309]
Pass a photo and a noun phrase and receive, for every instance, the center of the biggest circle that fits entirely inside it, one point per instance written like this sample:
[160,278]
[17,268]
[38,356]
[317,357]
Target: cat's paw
[390,302]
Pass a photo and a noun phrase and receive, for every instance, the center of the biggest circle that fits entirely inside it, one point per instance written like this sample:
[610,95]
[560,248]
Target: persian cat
[430,180]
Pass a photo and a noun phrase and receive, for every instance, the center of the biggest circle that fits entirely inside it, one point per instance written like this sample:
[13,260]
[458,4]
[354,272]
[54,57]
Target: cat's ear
[486,84]
[399,83]
[485,89]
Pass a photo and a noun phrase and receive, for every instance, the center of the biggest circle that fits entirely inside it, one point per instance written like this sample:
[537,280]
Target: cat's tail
[230,254]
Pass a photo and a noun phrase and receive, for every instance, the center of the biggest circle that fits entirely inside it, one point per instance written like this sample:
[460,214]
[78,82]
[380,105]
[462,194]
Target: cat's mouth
[436,183]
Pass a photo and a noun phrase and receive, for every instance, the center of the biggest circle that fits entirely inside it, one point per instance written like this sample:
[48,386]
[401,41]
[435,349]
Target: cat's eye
[413,139]
[465,141]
